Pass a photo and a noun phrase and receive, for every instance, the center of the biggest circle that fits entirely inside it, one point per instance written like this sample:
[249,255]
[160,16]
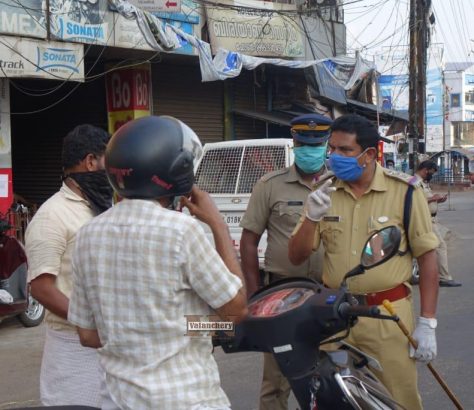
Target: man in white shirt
[141,268]
[69,372]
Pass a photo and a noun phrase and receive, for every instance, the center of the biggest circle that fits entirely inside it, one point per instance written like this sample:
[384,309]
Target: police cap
[310,128]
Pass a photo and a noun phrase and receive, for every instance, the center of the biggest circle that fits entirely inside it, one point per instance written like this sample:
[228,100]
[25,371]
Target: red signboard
[128,89]
[6,190]
[128,95]
[380,153]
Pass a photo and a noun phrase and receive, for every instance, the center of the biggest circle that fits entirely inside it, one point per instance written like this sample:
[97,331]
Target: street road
[20,348]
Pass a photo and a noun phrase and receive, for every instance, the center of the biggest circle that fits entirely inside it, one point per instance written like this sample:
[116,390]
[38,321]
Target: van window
[258,161]
[219,169]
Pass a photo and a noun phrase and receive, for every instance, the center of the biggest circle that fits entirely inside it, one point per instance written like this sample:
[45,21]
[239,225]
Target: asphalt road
[20,348]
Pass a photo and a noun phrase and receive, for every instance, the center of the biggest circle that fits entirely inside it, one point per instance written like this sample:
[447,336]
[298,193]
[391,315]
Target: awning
[274,117]
[370,111]
[467,152]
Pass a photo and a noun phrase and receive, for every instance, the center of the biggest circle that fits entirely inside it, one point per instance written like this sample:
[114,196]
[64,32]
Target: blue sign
[469,79]
[56,58]
[434,97]
[394,91]
[90,33]
[185,48]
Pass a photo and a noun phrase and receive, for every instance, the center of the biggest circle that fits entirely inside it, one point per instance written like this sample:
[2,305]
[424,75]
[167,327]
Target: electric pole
[412,83]
[422,61]
[417,77]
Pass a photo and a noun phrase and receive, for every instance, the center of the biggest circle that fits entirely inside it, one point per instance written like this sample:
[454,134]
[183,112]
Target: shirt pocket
[374,224]
[331,234]
[291,212]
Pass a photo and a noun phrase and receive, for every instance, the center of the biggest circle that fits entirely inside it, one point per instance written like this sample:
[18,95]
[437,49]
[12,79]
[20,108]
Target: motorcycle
[292,318]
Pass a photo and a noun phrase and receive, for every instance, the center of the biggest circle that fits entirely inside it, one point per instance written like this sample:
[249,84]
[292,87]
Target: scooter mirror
[380,247]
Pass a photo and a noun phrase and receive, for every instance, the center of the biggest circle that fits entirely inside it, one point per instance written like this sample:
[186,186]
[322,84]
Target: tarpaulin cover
[161,36]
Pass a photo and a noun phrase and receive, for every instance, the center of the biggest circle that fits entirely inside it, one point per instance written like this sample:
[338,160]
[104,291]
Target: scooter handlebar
[346,310]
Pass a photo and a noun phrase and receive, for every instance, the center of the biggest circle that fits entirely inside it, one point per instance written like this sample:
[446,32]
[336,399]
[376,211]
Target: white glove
[425,335]
[319,202]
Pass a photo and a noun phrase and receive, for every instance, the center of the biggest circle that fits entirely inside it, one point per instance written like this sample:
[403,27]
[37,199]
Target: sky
[381,26]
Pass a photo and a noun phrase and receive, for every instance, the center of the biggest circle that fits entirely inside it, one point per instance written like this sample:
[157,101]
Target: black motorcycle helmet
[152,157]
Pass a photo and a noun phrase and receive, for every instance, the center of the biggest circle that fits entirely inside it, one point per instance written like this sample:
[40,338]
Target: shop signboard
[86,21]
[127,33]
[254,28]
[128,95]
[23,17]
[6,190]
[22,57]
[157,5]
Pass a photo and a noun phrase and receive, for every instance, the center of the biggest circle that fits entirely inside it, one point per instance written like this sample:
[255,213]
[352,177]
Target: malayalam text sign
[255,28]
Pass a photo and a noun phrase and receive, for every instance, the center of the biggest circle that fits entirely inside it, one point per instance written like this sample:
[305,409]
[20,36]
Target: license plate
[232,220]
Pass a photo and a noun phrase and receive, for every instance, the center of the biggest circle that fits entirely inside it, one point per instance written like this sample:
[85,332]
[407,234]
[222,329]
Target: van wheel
[34,315]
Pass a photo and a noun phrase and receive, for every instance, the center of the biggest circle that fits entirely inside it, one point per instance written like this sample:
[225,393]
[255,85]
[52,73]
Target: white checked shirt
[138,270]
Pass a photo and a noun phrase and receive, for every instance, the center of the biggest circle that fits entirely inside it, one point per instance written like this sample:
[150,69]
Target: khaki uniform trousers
[275,388]
[441,253]
[384,340]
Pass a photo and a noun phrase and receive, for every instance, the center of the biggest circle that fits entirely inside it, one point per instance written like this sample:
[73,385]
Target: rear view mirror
[380,247]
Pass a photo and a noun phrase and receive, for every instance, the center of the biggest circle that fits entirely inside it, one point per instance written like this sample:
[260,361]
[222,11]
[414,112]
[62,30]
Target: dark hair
[367,135]
[83,140]
[428,165]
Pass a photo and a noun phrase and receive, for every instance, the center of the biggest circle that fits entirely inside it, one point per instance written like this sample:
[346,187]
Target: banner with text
[128,95]
[81,21]
[22,57]
[25,19]
[254,28]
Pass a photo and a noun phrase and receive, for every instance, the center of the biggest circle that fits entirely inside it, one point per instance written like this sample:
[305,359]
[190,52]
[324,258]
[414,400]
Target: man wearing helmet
[141,268]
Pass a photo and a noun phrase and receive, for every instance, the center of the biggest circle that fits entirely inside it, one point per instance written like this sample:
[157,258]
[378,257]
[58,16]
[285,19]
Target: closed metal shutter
[37,137]
[179,91]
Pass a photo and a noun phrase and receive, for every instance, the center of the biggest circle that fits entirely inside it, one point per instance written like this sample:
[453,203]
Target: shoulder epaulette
[323,178]
[412,180]
[274,174]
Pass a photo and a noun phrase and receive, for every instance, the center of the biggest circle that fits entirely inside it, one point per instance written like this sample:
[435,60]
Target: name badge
[295,203]
[329,218]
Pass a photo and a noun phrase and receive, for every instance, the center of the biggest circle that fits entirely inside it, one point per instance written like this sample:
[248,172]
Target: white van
[229,170]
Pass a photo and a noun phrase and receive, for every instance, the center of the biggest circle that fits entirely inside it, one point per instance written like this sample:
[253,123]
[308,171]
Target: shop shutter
[179,91]
[37,138]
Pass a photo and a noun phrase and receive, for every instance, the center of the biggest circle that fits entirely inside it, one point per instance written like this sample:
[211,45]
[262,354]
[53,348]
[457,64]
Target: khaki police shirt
[350,221]
[433,206]
[276,205]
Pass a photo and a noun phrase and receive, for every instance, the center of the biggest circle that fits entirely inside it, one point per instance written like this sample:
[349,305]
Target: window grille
[219,169]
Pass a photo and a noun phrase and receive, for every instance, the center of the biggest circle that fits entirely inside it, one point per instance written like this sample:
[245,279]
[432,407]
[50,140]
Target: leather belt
[377,298]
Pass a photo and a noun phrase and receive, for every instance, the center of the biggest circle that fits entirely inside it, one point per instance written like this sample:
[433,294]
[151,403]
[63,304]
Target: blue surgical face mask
[310,159]
[346,168]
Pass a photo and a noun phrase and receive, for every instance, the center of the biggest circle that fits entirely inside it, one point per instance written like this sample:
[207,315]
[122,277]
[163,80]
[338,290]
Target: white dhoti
[70,373]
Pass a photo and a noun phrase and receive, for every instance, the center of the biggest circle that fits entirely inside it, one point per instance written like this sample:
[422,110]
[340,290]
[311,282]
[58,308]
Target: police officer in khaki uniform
[364,198]
[276,205]
[425,172]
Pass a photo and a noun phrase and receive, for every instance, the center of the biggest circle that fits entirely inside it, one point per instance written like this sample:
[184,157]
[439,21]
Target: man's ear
[90,162]
[371,155]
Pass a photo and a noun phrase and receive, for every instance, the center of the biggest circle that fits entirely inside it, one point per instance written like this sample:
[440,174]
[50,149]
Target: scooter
[294,317]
